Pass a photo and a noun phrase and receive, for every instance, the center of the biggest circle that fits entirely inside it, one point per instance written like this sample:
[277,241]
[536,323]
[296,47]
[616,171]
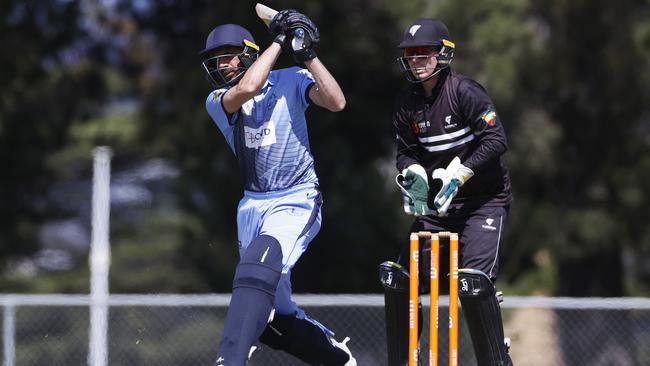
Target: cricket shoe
[343,346]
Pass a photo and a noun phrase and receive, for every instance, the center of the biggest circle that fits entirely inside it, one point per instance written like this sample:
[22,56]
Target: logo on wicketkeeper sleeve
[490,116]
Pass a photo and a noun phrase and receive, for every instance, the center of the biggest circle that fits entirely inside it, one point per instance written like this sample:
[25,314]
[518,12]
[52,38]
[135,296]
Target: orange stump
[433,296]
[453,300]
[414,254]
[434,273]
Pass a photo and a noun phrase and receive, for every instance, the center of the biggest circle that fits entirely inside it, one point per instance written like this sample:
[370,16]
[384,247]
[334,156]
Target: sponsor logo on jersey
[421,127]
[294,212]
[449,122]
[490,116]
[261,136]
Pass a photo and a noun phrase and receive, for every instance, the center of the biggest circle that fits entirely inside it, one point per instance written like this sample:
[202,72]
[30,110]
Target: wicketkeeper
[261,114]
[450,143]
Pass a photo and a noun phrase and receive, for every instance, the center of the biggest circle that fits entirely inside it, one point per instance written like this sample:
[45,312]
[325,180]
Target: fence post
[99,257]
[9,333]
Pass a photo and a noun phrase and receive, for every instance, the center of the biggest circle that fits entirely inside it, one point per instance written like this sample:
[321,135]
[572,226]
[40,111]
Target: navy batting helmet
[228,35]
[426,32]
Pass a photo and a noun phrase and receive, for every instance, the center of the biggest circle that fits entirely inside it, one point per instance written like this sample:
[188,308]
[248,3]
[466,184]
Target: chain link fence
[184,330]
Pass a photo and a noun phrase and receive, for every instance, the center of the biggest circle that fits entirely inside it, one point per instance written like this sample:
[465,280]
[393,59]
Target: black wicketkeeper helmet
[426,32]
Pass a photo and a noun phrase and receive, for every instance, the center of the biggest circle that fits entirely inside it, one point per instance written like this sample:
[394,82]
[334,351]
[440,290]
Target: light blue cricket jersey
[269,132]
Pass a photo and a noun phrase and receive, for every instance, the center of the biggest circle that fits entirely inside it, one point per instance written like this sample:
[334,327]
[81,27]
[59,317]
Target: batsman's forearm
[328,93]
[253,80]
[256,75]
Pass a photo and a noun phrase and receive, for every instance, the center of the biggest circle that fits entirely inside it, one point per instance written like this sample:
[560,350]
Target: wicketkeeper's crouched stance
[261,113]
[449,146]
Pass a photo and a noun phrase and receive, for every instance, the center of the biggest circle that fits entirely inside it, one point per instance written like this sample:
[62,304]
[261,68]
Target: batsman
[450,143]
[261,114]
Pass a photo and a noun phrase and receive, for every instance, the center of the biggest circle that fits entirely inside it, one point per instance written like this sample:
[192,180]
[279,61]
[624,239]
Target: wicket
[433,295]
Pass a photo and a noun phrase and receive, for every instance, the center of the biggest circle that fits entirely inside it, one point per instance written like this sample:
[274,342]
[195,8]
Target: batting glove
[305,36]
[278,29]
[415,190]
[449,180]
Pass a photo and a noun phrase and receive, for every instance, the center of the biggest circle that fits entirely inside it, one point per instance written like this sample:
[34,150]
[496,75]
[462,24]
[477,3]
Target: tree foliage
[568,79]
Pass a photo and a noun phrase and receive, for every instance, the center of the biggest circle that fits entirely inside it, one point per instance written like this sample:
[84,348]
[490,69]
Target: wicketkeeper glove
[415,190]
[449,180]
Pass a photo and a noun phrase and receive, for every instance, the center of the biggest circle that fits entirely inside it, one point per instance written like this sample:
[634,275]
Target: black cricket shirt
[459,119]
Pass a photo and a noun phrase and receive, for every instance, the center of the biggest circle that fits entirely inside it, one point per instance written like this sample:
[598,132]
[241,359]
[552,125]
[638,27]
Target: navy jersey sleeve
[477,108]
[407,142]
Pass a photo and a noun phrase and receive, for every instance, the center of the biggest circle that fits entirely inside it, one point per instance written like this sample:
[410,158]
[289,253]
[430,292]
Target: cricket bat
[265,13]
